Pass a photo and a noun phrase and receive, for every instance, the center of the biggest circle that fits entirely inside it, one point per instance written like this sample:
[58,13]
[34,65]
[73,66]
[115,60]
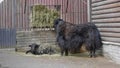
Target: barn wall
[6,14]
[15,13]
[106,15]
[70,11]
[74,11]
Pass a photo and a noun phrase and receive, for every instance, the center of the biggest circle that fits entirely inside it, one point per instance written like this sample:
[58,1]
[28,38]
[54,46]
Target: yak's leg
[66,52]
[28,51]
[36,53]
[94,55]
[90,54]
[62,51]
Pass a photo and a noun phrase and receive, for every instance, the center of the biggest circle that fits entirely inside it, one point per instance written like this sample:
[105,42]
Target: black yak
[72,36]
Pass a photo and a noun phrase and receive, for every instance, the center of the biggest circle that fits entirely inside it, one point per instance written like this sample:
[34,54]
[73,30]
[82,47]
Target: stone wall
[112,51]
[35,36]
[44,38]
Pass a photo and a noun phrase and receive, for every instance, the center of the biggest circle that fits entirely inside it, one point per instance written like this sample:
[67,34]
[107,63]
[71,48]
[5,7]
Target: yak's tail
[95,41]
[97,38]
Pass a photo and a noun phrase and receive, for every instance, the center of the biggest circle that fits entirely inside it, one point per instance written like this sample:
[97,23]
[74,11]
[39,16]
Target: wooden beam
[94,1]
[104,2]
[111,39]
[116,30]
[107,20]
[113,5]
[108,25]
[25,6]
[111,10]
[110,34]
[111,15]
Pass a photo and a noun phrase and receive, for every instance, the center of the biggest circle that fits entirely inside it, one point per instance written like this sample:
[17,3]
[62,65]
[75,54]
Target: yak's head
[34,46]
[58,22]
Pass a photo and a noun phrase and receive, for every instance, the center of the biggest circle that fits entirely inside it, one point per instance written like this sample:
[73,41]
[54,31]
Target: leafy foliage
[41,16]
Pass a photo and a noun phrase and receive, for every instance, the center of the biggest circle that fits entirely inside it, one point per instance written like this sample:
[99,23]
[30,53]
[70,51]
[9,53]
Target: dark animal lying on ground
[47,50]
[71,36]
[35,49]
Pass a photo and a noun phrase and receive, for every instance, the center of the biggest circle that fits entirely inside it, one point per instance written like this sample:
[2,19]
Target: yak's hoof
[90,56]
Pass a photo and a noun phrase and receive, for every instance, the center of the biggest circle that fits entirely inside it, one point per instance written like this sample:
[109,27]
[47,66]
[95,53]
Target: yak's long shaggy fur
[38,50]
[71,36]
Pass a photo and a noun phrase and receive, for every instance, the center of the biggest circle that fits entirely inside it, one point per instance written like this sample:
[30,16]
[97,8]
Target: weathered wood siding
[16,14]
[6,14]
[73,11]
[106,15]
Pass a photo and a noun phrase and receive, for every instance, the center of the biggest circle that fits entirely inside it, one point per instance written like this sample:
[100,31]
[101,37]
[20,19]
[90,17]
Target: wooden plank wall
[75,12]
[106,15]
[14,13]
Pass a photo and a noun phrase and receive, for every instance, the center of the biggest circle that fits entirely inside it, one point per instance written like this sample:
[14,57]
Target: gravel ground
[10,59]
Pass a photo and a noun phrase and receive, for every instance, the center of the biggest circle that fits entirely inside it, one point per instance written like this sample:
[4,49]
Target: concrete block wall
[112,51]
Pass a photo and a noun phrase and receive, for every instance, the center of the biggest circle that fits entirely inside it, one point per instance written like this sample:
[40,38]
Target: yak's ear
[57,21]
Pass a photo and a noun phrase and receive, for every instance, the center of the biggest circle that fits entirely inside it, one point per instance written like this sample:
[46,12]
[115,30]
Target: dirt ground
[11,59]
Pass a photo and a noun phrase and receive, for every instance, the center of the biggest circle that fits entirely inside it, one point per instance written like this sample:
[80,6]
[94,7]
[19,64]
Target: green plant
[41,16]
